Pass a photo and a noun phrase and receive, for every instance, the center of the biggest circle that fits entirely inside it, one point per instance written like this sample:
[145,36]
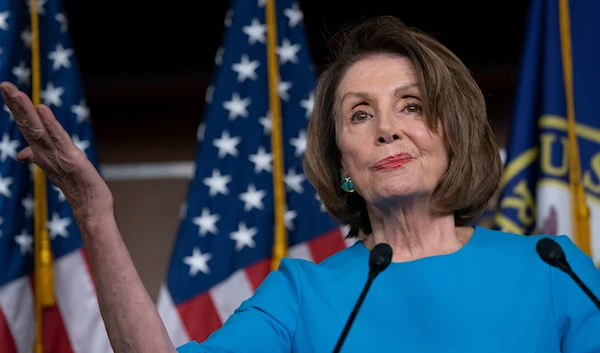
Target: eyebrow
[398,91]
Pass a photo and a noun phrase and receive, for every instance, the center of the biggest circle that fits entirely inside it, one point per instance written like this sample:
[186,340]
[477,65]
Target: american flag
[224,244]
[74,324]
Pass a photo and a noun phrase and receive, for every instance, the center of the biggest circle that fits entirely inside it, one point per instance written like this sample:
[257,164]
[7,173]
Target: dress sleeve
[577,317]
[266,322]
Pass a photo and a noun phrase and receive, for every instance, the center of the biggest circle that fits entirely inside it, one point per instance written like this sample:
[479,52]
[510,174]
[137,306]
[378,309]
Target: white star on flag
[62,19]
[237,106]
[82,145]
[27,38]
[81,111]
[5,186]
[294,14]
[23,73]
[208,95]
[3,17]
[206,222]
[183,210]
[287,52]
[252,198]
[244,236]
[219,55]
[198,262]
[282,88]
[61,196]
[25,241]
[28,203]
[228,17]
[246,68]
[60,57]
[201,131]
[294,181]
[262,160]
[58,226]
[288,218]
[308,104]
[217,183]
[266,122]
[299,143]
[227,144]
[8,147]
[322,208]
[51,95]
[256,32]
[10,116]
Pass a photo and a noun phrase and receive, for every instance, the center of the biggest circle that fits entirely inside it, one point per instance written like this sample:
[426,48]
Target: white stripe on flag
[229,294]
[170,317]
[300,251]
[78,305]
[16,300]
[344,230]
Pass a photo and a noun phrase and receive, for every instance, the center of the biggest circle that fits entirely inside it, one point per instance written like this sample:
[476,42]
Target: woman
[399,148]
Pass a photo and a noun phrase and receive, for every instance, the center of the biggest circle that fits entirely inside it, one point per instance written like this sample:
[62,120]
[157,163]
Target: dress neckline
[460,252]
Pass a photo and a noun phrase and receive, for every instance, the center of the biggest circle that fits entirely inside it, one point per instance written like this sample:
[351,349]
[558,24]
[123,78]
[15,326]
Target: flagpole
[280,244]
[580,211]
[43,271]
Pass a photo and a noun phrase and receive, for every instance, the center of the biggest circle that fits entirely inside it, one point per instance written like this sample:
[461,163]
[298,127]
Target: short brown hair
[450,96]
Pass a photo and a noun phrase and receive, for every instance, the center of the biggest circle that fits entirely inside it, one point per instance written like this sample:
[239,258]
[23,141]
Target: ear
[343,170]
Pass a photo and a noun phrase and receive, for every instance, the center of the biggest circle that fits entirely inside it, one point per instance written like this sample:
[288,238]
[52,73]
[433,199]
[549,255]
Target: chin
[396,192]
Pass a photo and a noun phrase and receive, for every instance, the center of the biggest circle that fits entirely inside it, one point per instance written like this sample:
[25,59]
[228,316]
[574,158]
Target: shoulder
[526,244]
[353,256]
[301,275]
[516,245]
[516,254]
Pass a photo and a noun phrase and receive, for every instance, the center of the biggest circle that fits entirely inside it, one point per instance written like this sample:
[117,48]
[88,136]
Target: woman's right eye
[359,116]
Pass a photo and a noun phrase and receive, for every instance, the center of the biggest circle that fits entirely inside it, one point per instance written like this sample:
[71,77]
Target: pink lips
[394,161]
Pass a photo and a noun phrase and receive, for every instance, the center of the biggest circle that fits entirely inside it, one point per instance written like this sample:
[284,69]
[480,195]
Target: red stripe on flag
[326,245]
[7,343]
[256,273]
[54,333]
[199,317]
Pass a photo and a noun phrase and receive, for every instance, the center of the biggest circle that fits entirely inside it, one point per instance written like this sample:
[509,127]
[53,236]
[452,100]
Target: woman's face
[386,147]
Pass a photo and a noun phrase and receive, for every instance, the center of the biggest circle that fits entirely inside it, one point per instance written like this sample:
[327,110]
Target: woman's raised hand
[51,148]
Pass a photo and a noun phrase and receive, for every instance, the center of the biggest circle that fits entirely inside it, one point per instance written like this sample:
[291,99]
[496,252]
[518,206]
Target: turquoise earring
[346,184]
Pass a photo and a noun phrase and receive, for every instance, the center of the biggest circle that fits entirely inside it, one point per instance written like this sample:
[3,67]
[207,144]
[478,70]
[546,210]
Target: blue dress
[493,295]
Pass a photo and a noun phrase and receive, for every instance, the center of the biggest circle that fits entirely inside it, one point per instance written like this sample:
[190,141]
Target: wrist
[93,213]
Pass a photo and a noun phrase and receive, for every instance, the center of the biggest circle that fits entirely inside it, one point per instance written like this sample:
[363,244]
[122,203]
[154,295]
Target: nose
[388,131]
[393,137]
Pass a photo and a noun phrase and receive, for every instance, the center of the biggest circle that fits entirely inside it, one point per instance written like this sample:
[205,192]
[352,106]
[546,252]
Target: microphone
[379,259]
[552,254]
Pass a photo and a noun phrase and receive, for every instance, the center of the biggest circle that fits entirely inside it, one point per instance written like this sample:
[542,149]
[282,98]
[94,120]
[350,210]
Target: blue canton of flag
[534,192]
[62,92]
[227,232]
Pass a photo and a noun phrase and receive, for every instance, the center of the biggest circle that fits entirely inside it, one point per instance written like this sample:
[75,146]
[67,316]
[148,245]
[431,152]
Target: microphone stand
[577,280]
[372,275]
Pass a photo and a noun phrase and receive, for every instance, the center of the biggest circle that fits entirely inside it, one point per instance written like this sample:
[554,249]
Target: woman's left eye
[413,108]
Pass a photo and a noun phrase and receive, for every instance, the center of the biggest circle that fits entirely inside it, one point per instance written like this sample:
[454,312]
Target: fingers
[25,115]
[25,155]
[57,133]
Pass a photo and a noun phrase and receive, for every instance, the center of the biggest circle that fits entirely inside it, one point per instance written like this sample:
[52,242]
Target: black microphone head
[380,257]
[551,252]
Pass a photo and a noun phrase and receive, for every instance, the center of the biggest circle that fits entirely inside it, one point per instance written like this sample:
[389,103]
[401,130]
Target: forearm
[131,319]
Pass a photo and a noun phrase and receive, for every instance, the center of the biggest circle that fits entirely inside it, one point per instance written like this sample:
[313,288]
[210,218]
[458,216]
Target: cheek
[354,156]
[352,145]
[426,141]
